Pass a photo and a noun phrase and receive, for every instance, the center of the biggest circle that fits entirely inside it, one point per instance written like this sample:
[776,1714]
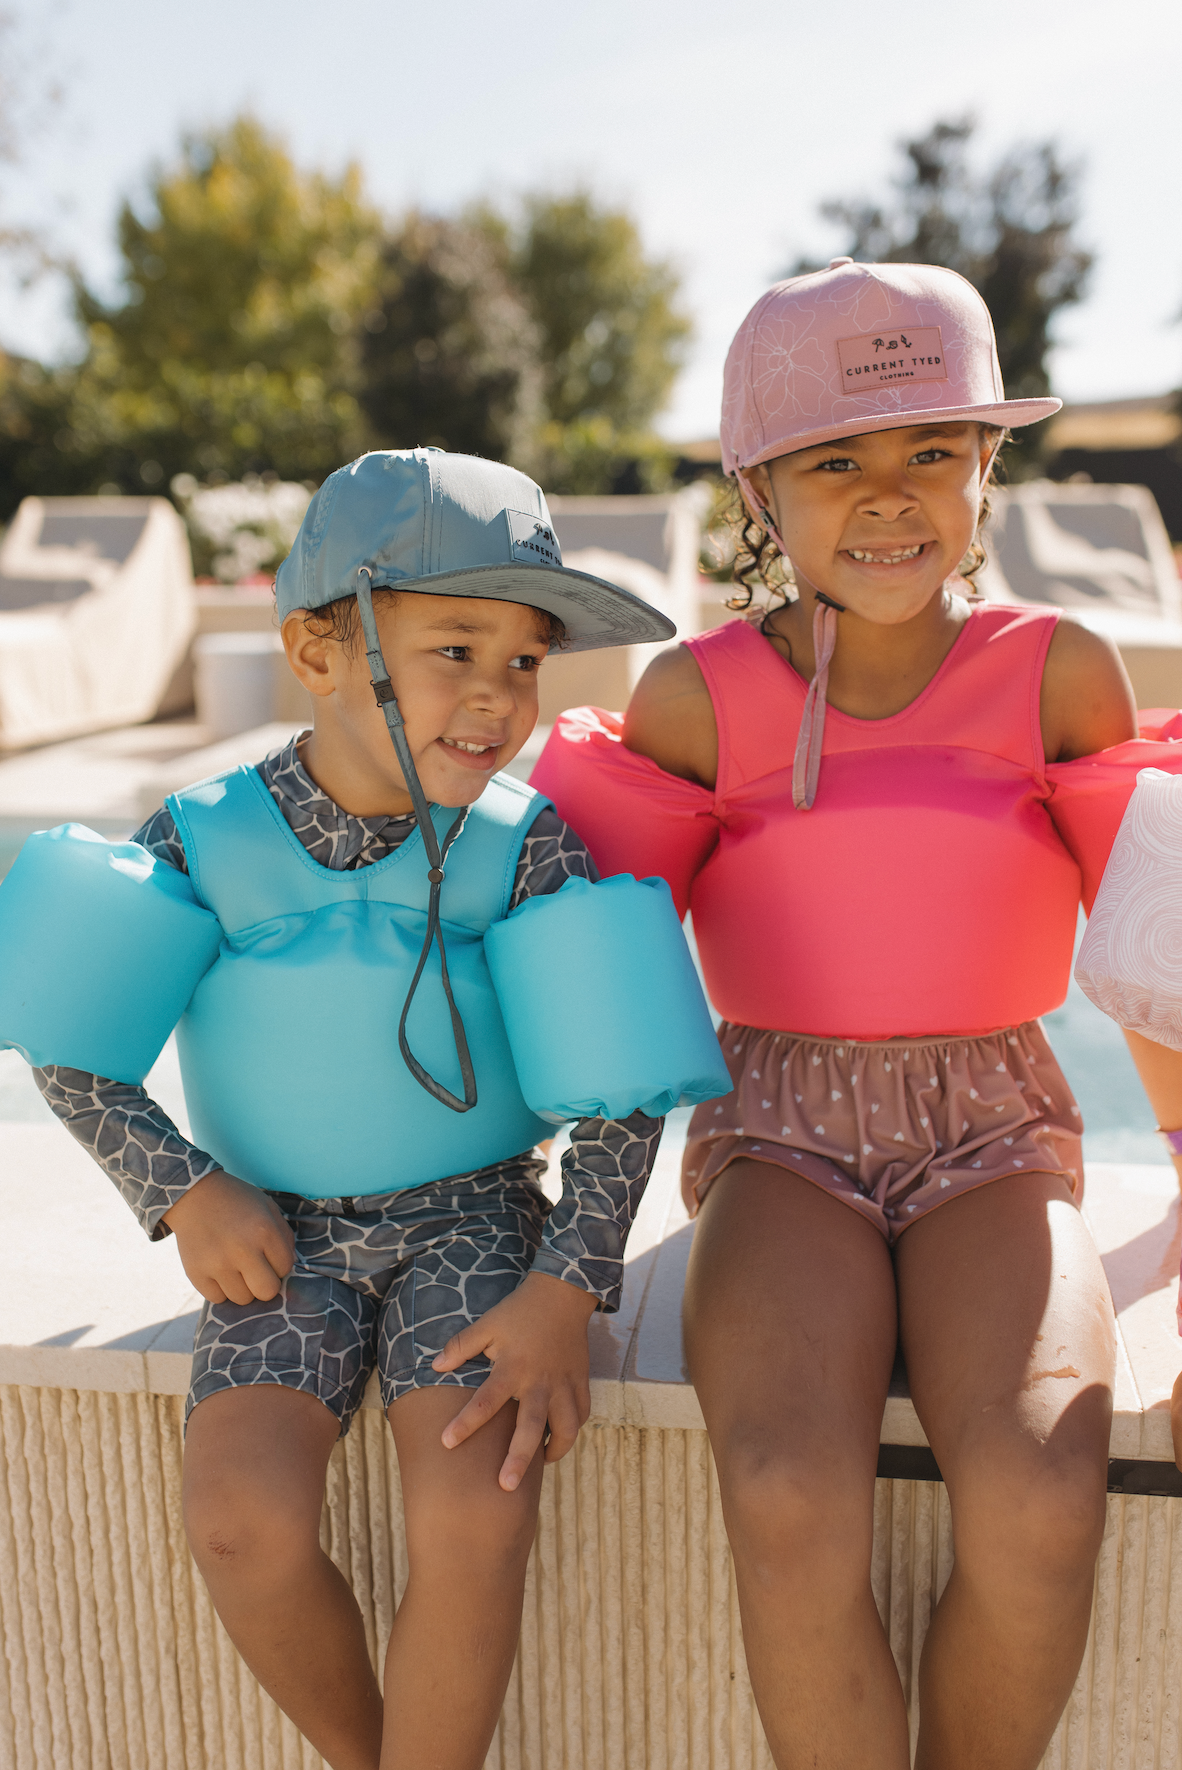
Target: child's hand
[537,1341]
[1176,1419]
[234,1241]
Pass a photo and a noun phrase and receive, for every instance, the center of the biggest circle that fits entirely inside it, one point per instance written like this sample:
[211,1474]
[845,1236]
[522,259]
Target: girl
[873,798]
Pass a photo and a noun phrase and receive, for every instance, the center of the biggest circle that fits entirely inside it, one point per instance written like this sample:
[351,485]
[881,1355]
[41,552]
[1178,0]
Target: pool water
[1118,1119]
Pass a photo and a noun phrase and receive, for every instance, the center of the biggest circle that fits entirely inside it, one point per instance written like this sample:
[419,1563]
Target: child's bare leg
[455,1635]
[790,1327]
[255,1461]
[1010,1341]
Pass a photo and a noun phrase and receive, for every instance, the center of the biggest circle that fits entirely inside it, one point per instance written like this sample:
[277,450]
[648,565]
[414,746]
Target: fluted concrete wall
[631,1655]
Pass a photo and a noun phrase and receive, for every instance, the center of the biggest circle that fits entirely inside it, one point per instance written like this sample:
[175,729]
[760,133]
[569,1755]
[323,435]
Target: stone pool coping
[87,1303]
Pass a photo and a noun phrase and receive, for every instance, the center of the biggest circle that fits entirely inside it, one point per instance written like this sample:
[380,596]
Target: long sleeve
[633,816]
[606,1168]
[132,1139]
[604,1174]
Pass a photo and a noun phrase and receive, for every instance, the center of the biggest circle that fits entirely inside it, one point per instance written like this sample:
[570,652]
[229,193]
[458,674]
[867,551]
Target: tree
[612,336]
[270,325]
[1010,233]
[449,351]
[232,351]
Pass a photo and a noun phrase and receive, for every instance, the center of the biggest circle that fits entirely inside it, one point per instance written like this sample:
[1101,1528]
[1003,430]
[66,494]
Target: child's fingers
[235,1288]
[470,1342]
[523,1446]
[488,1400]
[278,1248]
[565,1418]
[261,1278]
[207,1285]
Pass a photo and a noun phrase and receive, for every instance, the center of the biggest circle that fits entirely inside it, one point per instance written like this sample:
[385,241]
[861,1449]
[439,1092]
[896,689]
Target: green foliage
[612,338]
[233,350]
[244,261]
[1009,232]
[449,352]
[270,326]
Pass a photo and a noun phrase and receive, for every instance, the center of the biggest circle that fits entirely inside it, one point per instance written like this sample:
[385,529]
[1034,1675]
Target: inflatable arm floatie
[102,948]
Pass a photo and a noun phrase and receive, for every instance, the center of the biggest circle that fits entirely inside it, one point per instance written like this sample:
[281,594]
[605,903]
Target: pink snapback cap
[861,347]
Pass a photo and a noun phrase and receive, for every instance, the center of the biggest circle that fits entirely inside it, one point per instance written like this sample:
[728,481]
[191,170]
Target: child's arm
[1160,1070]
[232,1239]
[537,1338]
[537,1341]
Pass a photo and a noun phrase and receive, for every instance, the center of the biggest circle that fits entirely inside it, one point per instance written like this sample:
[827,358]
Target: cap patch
[532,540]
[880,359]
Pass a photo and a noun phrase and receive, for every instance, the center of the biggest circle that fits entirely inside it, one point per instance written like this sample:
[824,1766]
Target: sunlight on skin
[464,669]
[885,491]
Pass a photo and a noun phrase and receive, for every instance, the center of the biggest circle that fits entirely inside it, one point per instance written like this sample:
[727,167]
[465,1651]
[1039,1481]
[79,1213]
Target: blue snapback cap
[453,525]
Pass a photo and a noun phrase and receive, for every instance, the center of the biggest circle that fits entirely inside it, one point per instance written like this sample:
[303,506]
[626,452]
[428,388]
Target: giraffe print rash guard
[604,1172]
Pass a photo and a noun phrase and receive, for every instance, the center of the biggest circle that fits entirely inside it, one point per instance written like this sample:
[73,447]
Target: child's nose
[888,503]
[494,694]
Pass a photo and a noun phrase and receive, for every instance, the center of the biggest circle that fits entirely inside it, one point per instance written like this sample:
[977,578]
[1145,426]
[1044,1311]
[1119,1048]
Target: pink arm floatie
[1091,793]
[633,816]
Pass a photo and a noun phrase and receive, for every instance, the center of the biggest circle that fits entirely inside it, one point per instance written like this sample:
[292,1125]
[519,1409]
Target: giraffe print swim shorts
[384,1280]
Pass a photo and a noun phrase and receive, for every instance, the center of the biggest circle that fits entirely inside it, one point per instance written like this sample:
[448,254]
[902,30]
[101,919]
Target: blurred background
[241,243]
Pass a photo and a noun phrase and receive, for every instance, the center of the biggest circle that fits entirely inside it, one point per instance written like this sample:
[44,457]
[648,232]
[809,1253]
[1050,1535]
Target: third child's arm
[1160,1070]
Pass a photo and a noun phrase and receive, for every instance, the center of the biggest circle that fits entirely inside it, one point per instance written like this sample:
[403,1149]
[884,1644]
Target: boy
[337,1244]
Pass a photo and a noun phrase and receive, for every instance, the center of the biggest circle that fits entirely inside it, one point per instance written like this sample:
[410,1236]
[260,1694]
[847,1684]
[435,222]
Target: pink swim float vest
[933,887]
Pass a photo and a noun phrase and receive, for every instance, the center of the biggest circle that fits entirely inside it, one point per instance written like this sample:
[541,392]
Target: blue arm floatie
[602,1004]
[101,947]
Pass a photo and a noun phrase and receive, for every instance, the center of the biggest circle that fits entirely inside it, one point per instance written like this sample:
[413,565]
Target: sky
[720,127]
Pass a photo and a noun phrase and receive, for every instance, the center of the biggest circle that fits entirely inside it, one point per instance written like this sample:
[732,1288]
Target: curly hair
[340,620]
[757,560]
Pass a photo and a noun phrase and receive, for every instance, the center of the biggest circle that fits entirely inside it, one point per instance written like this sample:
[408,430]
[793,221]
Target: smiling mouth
[468,749]
[895,556]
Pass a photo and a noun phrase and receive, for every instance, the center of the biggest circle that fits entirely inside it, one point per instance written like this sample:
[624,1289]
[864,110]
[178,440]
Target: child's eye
[526,661]
[837,464]
[457,653]
[933,454]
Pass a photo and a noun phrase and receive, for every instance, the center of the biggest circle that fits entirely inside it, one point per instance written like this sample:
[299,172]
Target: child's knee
[488,1537]
[788,1518]
[237,1526]
[1036,1525]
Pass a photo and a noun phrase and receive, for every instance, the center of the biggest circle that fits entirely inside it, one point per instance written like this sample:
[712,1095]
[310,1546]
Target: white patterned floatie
[1130,960]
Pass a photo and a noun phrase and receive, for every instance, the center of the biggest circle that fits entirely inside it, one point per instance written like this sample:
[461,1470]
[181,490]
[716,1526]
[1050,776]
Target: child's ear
[312,656]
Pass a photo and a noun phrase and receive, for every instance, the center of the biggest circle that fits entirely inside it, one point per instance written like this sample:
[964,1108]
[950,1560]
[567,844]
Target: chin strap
[806,764]
[384,695]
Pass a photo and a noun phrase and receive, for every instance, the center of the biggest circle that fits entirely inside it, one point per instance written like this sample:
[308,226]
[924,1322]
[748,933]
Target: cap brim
[595,613]
[1012,413]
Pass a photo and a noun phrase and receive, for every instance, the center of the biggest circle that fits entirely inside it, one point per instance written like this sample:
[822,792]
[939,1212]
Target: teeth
[472,749]
[887,558]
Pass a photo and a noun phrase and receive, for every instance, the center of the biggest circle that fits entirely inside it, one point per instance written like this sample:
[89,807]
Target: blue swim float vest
[285,981]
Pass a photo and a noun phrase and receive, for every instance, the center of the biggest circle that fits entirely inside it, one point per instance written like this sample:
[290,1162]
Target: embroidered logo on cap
[880,359]
[532,540]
